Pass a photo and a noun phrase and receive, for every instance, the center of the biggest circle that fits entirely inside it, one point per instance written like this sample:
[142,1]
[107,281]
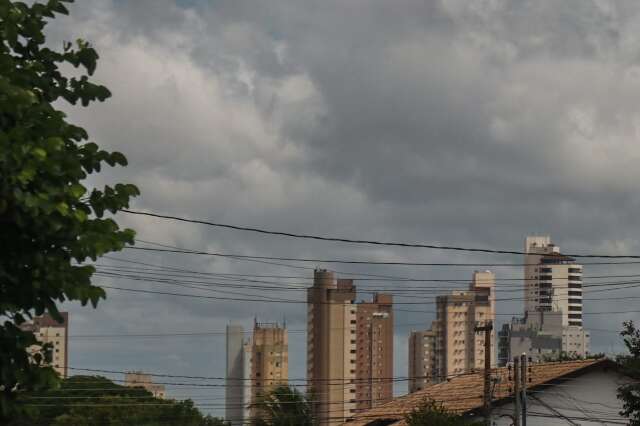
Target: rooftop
[463,393]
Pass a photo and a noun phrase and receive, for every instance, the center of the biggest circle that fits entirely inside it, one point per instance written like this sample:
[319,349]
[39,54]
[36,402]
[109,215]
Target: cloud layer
[447,121]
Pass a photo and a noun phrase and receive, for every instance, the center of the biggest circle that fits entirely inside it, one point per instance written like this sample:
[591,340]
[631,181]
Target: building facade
[269,359]
[553,281]
[135,379]
[459,348]
[48,330]
[236,384]
[374,352]
[255,366]
[331,347]
[422,359]
[553,299]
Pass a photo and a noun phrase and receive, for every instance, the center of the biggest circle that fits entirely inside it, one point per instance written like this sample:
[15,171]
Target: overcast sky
[464,122]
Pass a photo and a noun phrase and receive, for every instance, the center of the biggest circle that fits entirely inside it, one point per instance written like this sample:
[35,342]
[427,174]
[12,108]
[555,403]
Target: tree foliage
[431,413]
[630,366]
[50,224]
[283,406]
[95,400]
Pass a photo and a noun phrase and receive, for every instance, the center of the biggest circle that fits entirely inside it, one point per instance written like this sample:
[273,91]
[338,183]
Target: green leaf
[77,190]
[119,158]
[62,208]
[39,153]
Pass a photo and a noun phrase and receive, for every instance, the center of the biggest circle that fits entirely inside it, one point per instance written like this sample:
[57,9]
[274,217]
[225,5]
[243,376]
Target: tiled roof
[463,393]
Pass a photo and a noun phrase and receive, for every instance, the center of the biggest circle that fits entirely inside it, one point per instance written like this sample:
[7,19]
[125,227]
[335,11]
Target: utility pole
[516,391]
[487,370]
[523,389]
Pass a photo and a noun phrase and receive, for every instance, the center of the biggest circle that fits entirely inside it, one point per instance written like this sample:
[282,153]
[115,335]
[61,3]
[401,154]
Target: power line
[360,241]
[351,262]
[304,302]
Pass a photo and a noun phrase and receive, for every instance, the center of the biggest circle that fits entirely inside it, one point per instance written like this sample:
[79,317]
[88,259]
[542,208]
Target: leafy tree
[284,406]
[95,400]
[630,366]
[49,224]
[431,413]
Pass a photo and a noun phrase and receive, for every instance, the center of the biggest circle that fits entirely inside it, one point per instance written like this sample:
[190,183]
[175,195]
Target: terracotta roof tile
[463,393]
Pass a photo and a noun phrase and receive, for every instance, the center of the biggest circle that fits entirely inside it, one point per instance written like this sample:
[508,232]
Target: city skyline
[452,123]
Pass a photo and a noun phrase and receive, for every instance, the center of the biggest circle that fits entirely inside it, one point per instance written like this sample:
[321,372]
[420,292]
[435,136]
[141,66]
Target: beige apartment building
[269,358]
[135,379]
[255,366]
[422,359]
[459,348]
[331,347]
[374,352]
[48,330]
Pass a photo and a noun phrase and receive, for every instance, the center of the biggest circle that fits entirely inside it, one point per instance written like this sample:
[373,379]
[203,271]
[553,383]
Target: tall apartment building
[553,284]
[374,352]
[553,281]
[459,348]
[48,330]
[422,359]
[135,379]
[331,347]
[269,358]
[254,367]
[236,384]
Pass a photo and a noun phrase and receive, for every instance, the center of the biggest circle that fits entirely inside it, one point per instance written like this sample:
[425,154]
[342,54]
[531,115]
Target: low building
[138,379]
[48,330]
[558,393]
[542,337]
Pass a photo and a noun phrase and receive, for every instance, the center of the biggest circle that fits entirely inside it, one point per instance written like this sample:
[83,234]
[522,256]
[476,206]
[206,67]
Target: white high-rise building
[553,283]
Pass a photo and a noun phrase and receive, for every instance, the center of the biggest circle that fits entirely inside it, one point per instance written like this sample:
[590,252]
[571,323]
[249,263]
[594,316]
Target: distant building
[331,347]
[541,336]
[48,330]
[136,379]
[552,325]
[422,359]
[553,281]
[374,352]
[236,383]
[504,342]
[269,359]
[459,348]
[255,366]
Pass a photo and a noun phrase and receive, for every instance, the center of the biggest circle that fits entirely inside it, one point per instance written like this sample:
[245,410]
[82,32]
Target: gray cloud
[447,121]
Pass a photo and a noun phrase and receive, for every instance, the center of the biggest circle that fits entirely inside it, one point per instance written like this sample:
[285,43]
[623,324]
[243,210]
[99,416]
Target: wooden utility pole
[523,388]
[487,370]
[516,391]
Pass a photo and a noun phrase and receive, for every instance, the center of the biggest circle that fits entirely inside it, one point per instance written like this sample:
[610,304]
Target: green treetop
[50,223]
